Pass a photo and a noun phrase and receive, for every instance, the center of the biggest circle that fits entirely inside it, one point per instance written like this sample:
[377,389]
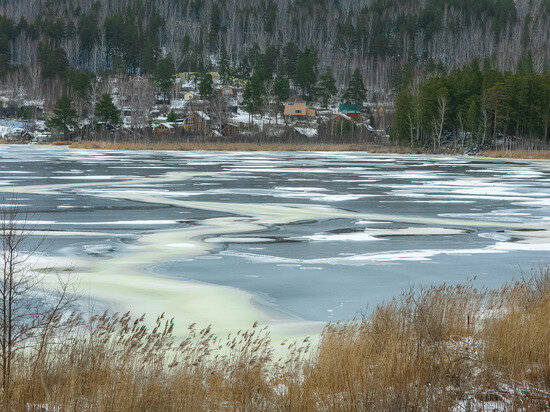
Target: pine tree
[306,71]
[164,75]
[281,89]
[224,68]
[327,88]
[356,93]
[106,112]
[205,86]
[171,118]
[253,99]
[64,116]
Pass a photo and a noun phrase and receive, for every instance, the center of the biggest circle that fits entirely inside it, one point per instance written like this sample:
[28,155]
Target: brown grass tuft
[436,348]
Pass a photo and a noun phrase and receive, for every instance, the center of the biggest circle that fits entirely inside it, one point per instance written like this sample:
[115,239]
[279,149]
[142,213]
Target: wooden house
[197,123]
[163,128]
[351,110]
[341,119]
[296,107]
[58,133]
[230,129]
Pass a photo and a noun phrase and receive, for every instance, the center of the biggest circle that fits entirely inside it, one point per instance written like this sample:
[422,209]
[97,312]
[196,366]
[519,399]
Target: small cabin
[163,128]
[230,129]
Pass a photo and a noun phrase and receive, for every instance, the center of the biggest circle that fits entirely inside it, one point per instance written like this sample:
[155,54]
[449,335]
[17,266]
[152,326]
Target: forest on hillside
[379,37]
[477,104]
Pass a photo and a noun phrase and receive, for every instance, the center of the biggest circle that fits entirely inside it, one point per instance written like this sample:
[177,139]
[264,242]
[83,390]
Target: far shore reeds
[314,147]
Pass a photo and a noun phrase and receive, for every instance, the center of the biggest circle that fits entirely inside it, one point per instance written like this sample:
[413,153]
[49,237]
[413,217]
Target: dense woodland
[376,36]
[402,47]
[479,104]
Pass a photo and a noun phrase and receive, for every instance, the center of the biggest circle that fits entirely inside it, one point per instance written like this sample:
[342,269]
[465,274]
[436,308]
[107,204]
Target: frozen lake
[289,239]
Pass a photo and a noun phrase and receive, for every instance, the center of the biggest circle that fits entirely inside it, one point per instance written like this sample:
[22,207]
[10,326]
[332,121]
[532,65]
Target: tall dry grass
[517,154]
[436,348]
[247,146]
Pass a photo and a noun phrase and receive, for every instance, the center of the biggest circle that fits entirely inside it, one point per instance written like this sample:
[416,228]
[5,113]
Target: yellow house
[188,96]
[297,107]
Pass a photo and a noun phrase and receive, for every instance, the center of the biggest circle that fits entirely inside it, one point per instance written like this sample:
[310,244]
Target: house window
[189,121]
[291,104]
[298,111]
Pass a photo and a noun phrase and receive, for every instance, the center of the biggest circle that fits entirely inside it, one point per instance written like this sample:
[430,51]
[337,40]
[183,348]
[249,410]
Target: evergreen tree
[356,93]
[281,88]
[54,61]
[205,86]
[224,68]
[525,64]
[291,53]
[148,57]
[306,71]
[80,82]
[171,118]
[164,75]
[106,112]
[327,88]
[64,116]
[404,126]
[253,99]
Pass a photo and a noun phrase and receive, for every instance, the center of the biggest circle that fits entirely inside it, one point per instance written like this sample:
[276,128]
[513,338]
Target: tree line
[476,103]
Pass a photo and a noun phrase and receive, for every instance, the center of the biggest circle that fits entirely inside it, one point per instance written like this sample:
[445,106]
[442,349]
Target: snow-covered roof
[203,115]
[345,116]
[178,104]
[167,125]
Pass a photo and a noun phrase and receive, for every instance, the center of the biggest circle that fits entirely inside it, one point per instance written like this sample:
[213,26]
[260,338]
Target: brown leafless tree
[29,315]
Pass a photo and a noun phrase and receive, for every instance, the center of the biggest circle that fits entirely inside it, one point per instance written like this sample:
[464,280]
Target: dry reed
[436,348]
[517,154]
[245,146]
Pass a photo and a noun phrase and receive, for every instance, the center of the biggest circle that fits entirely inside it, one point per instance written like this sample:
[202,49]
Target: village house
[351,110]
[163,128]
[188,95]
[229,91]
[296,107]
[230,129]
[58,133]
[341,119]
[197,123]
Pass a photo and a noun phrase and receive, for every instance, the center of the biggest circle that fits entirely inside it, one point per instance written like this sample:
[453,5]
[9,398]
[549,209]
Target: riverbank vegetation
[248,146]
[278,147]
[432,348]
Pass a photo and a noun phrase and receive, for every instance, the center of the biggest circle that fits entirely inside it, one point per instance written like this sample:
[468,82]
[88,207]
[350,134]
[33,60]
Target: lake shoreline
[289,147]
